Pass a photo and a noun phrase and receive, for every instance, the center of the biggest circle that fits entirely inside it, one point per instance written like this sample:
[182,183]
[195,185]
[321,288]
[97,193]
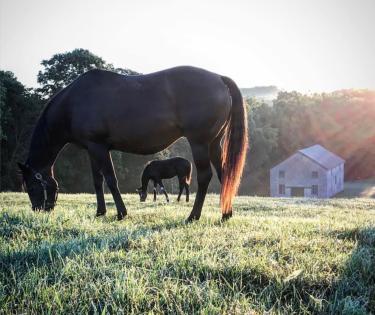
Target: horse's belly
[144,144]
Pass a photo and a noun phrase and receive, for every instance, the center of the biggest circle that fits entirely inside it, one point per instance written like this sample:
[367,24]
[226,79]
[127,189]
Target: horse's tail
[234,148]
[188,177]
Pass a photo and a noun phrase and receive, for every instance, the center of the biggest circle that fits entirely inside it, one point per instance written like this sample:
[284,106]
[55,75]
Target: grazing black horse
[165,169]
[143,114]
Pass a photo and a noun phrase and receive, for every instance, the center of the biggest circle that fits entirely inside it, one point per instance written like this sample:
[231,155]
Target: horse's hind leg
[98,185]
[215,156]
[187,191]
[204,175]
[102,158]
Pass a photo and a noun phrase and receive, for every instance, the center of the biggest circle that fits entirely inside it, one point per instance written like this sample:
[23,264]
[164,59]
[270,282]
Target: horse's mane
[40,137]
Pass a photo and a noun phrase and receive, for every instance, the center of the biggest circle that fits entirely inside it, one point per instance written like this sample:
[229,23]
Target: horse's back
[125,110]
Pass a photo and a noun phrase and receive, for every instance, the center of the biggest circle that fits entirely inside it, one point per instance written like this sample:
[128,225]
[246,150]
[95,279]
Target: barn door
[297,191]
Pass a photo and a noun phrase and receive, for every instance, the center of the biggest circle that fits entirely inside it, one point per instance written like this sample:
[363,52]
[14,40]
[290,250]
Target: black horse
[143,114]
[165,169]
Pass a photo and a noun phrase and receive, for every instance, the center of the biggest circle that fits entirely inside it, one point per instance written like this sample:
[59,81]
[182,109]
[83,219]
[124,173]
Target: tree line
[342,121]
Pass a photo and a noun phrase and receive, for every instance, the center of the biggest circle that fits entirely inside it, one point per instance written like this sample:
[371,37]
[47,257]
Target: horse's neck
[145,180]
[44,148]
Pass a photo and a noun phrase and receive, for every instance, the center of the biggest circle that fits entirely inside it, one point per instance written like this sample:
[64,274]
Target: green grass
[280,256]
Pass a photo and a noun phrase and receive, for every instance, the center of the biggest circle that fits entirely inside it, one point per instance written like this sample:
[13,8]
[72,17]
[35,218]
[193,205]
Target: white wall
[298,173]
[335,186]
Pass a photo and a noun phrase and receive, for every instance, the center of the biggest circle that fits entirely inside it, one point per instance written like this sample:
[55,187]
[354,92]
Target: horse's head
[42,188]
[142,194]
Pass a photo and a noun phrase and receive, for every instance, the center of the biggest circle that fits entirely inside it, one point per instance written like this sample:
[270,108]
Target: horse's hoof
[121,216]
[191,220]
[226,216]
[100,214]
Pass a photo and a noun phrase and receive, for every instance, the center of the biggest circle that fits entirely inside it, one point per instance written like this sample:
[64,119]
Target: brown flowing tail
[234,148]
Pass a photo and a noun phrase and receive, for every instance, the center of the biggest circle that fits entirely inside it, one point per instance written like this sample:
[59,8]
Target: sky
[303,45]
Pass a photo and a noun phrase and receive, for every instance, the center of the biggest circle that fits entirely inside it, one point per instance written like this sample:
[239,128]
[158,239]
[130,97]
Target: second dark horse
[144,114]
[158,170]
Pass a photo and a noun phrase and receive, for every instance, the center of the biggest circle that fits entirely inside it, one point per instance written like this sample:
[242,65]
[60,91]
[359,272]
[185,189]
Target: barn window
[281,189]
[314,174]
[314,190]
[281,174]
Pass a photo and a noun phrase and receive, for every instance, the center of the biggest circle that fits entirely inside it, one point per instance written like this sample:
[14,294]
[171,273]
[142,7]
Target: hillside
[265,93]
[275,255]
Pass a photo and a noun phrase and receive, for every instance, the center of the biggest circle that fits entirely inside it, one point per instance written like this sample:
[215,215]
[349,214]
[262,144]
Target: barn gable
[289,162]
[322,156]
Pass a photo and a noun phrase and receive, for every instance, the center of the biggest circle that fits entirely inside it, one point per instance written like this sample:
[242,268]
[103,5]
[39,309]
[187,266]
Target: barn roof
[322,156]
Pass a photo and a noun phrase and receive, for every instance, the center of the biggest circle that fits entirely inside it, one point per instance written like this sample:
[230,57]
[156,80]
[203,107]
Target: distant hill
[266,93]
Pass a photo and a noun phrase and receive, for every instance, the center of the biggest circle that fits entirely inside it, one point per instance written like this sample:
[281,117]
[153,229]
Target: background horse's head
[142,194]
[41,188]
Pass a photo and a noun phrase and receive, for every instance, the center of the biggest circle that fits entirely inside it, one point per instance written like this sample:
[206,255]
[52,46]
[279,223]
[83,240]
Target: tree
[263,140]
[64,68]
[19,108]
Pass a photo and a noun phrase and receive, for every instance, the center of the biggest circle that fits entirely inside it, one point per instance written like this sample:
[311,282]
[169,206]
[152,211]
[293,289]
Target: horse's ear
[24,168]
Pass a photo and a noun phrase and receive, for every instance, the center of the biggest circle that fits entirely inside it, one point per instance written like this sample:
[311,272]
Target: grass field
[279,256]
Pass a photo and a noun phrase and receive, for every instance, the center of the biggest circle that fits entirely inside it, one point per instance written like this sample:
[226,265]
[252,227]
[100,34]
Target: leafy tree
[19,108]
[263,139]
[64,68]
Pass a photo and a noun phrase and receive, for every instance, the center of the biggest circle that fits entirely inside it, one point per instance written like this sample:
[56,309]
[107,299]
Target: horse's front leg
[103,159]
[98,185]
[163,190]
[155,184]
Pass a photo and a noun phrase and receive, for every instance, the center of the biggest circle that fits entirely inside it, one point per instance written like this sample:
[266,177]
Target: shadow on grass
[79,244]
[355,289]
[352,293]
[295,295]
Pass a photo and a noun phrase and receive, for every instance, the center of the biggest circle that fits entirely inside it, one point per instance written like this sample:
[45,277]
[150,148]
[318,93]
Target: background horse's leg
[98,185]
[215,156]
[155,191]
[187,191]
[204,175]
[103,159]
[181,187]
[163,189]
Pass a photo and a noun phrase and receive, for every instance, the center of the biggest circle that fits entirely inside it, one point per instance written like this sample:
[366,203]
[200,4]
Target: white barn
[310,172]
